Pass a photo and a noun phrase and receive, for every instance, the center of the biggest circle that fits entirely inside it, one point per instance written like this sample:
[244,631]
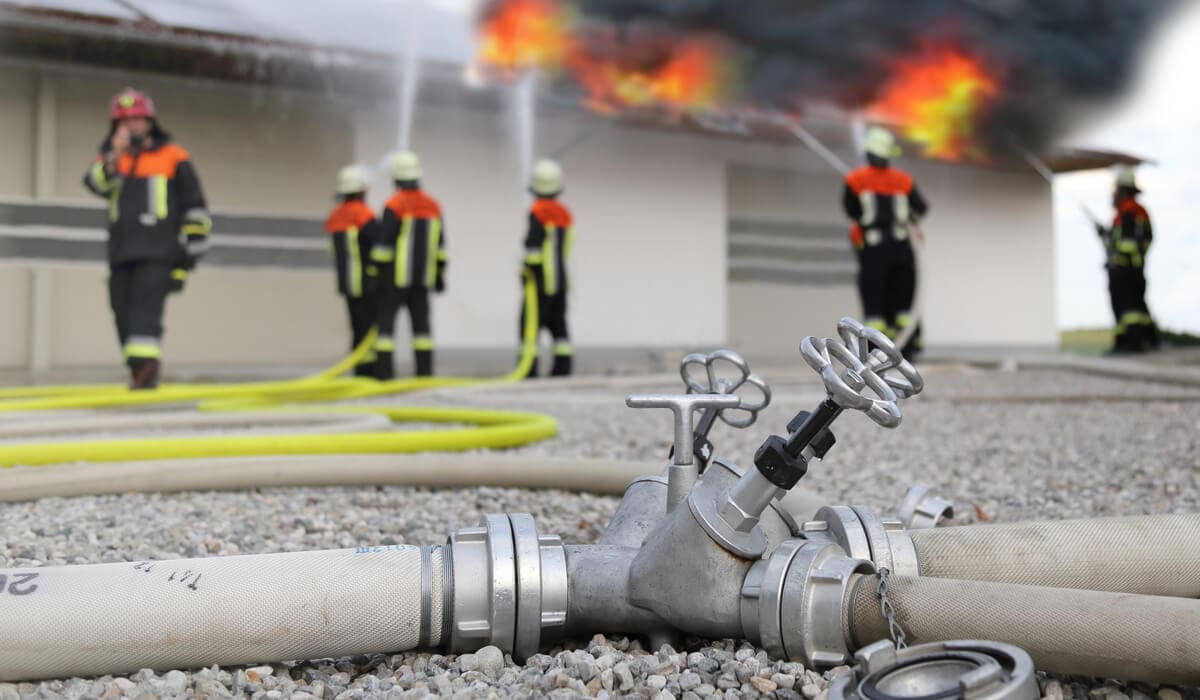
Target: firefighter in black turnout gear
[411,255]
[884,206]
[352,230]
[547,248]
[158,226]
[1126,245]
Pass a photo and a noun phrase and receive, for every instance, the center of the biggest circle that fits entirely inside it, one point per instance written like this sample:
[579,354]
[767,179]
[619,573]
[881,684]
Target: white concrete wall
[988,266]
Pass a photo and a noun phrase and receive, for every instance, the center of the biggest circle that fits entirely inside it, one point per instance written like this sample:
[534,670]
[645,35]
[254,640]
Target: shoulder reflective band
[99,178]
[550,261]
[353,262]
[431,252]
[403,244]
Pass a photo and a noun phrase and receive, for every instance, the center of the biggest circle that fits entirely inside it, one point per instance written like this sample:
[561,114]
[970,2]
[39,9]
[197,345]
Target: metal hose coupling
[793,603]
[955,670]
[862,534]
[509,586]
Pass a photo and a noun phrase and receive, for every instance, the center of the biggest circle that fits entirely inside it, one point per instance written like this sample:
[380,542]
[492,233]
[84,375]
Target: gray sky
[1159,120]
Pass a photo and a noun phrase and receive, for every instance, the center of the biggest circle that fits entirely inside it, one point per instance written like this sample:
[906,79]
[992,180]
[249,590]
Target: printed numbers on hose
[189,578]
[21,584]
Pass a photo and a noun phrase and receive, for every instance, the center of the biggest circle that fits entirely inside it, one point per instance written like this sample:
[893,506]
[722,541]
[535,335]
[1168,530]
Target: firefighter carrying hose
[158,226]
[352,230]
[1126,244]
[547,248]
[884,206]
[411,254]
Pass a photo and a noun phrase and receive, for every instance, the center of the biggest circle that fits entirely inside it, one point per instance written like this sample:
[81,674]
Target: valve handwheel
[864,381]
[747,410]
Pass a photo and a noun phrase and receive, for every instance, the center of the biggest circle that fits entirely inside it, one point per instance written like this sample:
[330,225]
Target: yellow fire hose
[485,428]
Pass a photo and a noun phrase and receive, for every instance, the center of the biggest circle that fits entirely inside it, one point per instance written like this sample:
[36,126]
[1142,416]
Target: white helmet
[351,180]
[881,143]
[1127,177]
[406,166]
[547,178]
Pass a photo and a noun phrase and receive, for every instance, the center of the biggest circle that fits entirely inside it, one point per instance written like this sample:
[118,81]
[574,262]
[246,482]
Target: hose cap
[954,670]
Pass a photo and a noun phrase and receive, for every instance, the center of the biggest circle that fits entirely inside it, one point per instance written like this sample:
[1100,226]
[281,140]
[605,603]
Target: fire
[521,34]
[692,75]
[937,98]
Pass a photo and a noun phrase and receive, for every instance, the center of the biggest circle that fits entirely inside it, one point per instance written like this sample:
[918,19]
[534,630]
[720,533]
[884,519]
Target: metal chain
[895,631]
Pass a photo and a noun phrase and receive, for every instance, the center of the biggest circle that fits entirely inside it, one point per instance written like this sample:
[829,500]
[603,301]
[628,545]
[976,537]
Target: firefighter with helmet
[1126,243]
[352,230]
[884,206]
[548,242]
[158,226]
[411,255]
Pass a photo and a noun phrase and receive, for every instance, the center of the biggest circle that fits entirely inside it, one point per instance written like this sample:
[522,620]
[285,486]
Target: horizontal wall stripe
[739,250]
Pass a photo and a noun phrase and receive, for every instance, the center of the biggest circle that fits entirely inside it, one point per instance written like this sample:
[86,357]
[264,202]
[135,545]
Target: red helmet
[131,103]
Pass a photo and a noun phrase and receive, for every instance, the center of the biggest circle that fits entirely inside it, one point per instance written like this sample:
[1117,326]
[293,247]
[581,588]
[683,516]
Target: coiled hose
[486,428]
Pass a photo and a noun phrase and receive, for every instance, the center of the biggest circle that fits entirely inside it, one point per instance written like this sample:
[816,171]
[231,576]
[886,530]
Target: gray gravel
[1005,446]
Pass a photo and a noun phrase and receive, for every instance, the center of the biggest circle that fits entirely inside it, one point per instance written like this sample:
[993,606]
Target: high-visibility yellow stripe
[904,320]
[550,262]
[143,351]
[179,274]
[355,263]
[431,254]
[876,323]
[422,342]
[384,344]
[114,208]
[160,196]
[402,244]
[382,255]
[563,349]
[534,257]
[569,242]
[99,177]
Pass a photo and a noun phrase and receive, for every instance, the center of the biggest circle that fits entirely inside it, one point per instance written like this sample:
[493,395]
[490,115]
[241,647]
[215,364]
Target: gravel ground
[1004,445]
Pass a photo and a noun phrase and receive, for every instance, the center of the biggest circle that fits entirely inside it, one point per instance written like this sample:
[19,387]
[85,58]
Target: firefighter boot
[423,363]
[384,369]
[366,366]
[563,359]
[143,373]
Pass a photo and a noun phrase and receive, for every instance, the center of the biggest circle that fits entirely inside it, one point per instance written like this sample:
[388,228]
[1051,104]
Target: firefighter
[158,226]
[352,232]
[411,254]
[547,248]
[1126,244]
[884,206]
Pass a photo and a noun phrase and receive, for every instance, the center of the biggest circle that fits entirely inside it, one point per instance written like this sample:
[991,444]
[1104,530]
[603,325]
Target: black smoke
[1052,56]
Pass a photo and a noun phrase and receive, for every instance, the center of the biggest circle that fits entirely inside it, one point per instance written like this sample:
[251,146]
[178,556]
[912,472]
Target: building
[688,238]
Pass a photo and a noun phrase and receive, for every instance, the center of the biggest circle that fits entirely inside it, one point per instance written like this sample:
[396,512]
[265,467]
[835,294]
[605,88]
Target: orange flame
[521,34]
[937,98]
[692,76]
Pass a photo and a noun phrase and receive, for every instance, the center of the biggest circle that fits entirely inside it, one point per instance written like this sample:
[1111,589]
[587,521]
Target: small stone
[784,680]
[1053,690]
[689,680]
[606,679]
[594,687]
[606,661]
[656,682]
[490,660]
[763,685]
[743,654]
[8,691]
[468,662]
[624,677]
[274,695]
[258,673]
[175,682]
[727,681]
[788,694]
[586,668]
[811,690]
[705,690]
[664,695]
[1116,695]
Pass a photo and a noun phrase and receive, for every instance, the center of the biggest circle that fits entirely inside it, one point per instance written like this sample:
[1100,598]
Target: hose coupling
[921,510]
[509,586]
[954,670]
[862,534]
[793,603]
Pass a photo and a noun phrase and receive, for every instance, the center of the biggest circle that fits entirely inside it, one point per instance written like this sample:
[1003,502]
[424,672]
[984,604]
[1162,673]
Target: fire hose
[488,428]
[725,560]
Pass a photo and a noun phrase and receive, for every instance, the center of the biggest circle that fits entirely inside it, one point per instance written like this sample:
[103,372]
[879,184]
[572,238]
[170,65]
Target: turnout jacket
[548,244]
[881,202]
[412,240]
[1128,241]
[352,230]
[156,207]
